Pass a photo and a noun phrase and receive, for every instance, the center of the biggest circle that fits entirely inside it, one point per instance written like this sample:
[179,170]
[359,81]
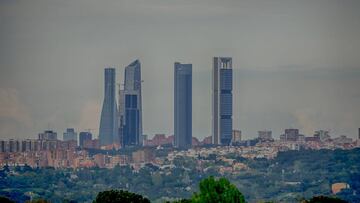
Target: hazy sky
[296,63]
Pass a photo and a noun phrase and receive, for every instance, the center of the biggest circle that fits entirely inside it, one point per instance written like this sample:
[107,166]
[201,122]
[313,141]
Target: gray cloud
[296,62]
[14,115]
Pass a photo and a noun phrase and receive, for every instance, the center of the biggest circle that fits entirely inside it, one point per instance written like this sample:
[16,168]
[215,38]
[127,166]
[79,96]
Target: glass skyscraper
[131,109]
[222,100]
[183,105]
[108,132]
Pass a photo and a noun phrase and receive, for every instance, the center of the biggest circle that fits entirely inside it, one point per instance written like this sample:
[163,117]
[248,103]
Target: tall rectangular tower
[108,132]
[132,112]
[222,100]
[183,105]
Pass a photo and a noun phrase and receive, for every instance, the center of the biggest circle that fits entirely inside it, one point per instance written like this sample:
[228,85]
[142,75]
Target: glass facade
[183,105]
[132,120]
[108,132]
[131,109]
[225,106]
[222,100]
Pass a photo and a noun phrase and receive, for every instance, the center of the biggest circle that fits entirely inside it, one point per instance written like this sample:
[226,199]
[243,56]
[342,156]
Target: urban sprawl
[121,140]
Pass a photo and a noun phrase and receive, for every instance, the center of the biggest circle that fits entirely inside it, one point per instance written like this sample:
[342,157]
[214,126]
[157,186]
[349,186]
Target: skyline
[296,64]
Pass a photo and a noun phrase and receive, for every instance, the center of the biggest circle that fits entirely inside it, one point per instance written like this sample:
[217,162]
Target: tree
[6,168]
[27,168]
[38,201]
[69,201]
[118,196]
[324,199]
[5,200]
[214,191]
[181,201]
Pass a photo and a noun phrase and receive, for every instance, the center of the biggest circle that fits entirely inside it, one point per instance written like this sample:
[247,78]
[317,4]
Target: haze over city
[296,64]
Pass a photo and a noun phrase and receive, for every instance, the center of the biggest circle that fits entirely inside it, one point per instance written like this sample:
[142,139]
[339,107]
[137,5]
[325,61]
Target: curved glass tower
[108,132]
[183,105]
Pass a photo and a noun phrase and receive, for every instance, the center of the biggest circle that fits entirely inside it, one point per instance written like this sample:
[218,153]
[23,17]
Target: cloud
[14,116]
[287,55]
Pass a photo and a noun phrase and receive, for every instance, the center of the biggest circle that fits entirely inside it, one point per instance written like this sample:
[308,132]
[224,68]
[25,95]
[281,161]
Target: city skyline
[179,101]
[295,63]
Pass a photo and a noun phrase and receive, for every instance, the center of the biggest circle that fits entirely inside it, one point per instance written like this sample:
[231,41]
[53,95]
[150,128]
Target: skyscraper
[131,111]
[108,133]
[222,100]
[183,105]
[70,134]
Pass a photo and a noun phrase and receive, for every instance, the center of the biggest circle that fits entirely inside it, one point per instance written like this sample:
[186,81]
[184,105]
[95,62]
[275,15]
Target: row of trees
[211,191]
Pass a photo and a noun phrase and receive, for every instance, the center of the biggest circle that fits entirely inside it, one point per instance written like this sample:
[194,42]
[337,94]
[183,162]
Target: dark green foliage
[5,200]
[6,168]
[38,201]
[69,201]
[266,180]
[181,201]
[15,195]
[324,199]
[119,196]
[217,191]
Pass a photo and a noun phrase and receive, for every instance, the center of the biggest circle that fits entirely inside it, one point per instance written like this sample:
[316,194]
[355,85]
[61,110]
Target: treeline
[211,190]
